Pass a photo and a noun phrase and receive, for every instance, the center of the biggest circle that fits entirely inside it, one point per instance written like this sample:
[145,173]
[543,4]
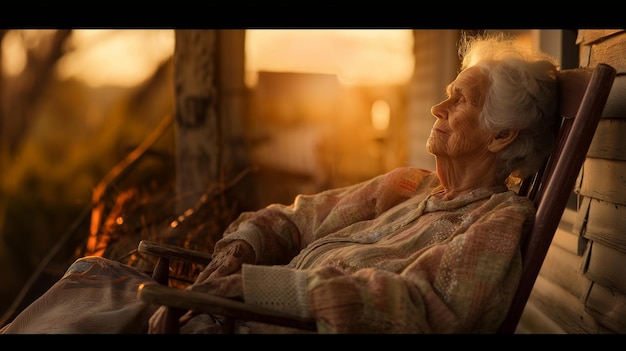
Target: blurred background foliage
[59,138]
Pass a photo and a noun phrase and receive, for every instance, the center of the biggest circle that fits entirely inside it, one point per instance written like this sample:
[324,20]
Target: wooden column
[197,123]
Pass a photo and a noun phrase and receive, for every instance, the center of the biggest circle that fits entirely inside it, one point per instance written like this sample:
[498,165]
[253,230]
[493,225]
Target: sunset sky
[126,57]
[356,56]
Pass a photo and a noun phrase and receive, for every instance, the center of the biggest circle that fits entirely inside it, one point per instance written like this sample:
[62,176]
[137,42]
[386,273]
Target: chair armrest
[206,303]
[173,252]
[165,253]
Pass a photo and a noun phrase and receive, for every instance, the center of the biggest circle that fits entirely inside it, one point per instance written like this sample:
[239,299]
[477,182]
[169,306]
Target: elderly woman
[410,251]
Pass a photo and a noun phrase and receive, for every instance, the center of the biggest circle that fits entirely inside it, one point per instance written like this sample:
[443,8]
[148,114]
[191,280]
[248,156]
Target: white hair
[522,95]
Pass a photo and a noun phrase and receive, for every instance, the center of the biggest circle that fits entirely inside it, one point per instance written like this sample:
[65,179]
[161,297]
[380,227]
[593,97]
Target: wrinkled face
[457,133]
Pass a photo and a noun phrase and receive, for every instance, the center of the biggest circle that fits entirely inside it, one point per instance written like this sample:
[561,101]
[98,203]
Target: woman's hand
[158,322]
[227,261]
[221,277]
[229,287]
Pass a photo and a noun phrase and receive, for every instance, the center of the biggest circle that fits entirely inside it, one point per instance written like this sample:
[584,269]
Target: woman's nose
[438,110]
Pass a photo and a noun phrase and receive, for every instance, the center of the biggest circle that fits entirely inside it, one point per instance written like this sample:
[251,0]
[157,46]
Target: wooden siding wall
[582,284]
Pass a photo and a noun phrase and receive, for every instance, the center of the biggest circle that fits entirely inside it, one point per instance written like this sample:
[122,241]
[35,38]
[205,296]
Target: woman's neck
[460,178]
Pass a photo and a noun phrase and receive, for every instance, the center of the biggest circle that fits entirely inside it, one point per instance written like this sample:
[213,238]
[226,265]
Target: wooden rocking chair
[583,92]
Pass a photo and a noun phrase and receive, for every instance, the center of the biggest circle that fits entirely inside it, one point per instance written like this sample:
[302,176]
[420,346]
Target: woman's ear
[502,139]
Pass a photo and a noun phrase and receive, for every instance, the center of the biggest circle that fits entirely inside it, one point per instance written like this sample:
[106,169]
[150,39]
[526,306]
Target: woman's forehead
[472,82]
[472,77]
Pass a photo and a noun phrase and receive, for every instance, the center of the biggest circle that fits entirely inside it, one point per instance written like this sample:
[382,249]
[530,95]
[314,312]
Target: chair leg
[172,317]
[161,271]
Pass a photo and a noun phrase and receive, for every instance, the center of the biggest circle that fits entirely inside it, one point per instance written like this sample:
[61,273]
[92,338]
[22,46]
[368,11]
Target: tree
[21,95]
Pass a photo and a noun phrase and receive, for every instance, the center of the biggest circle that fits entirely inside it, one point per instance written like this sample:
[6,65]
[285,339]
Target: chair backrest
[583,92]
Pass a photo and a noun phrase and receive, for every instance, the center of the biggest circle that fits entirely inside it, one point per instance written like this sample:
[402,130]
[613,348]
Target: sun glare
[116,57]
[363,56]
[126,57]
[381,114]
[14,52]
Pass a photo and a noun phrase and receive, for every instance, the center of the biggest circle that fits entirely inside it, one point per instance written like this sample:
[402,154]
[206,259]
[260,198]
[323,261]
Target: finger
[230,259]
[206,273]
[165,320]
[155,321]
[230,286]
[186,317]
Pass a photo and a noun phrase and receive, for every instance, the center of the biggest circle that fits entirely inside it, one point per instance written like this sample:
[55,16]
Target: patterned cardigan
[386,256]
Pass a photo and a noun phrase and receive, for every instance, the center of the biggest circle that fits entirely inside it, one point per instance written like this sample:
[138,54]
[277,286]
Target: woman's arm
[277,233]
[459,286]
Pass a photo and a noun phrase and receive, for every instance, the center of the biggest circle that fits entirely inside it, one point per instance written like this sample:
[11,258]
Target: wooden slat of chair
[582,96]
[166,253]
[186,300]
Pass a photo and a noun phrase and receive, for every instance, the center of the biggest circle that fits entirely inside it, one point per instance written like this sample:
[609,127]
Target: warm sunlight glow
[126,57]
[14,52]
[381,113]
[358,56]
[116,57]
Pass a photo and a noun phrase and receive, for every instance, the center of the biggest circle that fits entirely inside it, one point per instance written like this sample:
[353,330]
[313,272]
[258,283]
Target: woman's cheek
[457,144]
